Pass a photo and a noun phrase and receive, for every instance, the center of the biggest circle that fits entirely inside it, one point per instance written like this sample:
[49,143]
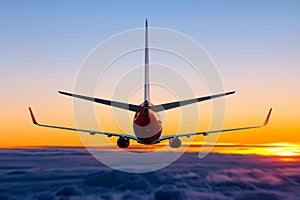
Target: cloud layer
[73,174]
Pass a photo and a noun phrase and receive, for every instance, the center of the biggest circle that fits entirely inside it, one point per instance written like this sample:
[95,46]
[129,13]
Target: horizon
[285,152]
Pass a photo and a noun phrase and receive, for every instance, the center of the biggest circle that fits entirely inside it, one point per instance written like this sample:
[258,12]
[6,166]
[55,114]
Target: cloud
[3,197]
[266,195]
[247,177]
[168,192]
[75,174]
[68,191]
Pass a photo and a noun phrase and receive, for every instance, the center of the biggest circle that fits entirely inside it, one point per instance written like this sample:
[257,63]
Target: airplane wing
[121,105]
[216,131]
[167,106]
[91,132]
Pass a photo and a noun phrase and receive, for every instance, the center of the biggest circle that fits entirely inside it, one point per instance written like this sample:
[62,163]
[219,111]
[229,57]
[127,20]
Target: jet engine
[123,142]
[175,143]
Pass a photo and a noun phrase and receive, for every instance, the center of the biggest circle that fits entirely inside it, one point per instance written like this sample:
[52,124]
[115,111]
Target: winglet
[32,117]
[268,117]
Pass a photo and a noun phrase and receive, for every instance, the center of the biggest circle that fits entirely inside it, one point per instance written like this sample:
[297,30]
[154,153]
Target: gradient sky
[255,44]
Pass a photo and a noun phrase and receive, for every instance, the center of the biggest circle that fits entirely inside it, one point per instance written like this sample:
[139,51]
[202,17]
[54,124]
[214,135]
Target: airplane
[146,125]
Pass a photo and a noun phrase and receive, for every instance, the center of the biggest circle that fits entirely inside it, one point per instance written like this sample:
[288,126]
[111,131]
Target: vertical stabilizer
[146,86]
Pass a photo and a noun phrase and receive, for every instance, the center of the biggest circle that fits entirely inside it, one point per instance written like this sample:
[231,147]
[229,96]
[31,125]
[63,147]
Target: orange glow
[288,159]
[285,152]
[282,152]
[18,130]
[275,149]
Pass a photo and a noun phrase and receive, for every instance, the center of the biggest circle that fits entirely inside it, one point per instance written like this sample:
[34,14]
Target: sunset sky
[255,45]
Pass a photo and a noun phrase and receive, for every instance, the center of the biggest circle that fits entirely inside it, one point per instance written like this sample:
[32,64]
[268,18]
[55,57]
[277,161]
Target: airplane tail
[147,102]
[146,84]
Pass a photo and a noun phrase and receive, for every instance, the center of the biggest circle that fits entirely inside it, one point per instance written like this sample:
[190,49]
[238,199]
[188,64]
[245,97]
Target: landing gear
[175,143]
[123,142]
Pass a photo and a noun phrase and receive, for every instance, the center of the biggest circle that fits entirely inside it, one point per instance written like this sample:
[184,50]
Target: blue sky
[65,31]
[52,32]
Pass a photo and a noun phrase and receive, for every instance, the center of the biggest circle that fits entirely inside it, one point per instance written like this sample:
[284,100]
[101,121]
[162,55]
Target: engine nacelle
[123,142]
[175,143]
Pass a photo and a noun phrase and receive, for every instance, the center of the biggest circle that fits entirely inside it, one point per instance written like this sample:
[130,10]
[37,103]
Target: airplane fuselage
[146,125]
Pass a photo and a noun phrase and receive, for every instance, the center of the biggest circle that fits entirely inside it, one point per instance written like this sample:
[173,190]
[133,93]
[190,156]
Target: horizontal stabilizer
[116,104]
[167,106]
